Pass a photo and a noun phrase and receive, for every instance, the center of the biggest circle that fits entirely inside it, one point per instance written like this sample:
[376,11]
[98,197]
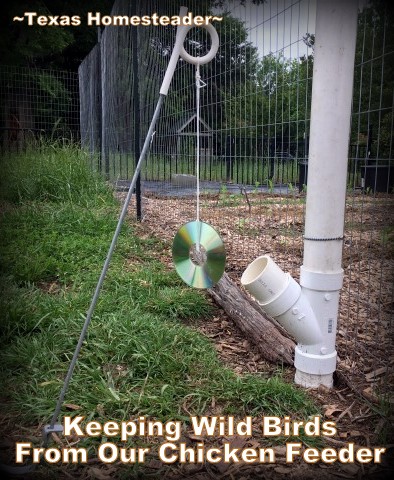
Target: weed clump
[53,173]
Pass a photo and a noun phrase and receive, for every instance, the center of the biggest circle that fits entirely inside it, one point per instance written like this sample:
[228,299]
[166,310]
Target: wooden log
[273,344]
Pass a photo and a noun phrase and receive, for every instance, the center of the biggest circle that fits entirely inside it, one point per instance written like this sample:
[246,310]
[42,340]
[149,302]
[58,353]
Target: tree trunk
[274,345]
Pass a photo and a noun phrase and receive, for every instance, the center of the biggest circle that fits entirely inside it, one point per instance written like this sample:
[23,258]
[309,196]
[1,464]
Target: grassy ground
[139,357]
[244,169]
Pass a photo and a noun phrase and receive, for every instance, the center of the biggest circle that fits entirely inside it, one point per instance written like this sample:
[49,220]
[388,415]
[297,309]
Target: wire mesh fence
[255,115]
[254,128]
[37,105]
[367,300]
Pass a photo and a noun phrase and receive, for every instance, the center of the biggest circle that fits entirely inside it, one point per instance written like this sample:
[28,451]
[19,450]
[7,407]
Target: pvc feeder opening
[280,296]
[254,270]
[264,279]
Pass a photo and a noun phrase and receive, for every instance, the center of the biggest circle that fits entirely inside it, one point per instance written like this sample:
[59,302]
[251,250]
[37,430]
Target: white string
[199,84]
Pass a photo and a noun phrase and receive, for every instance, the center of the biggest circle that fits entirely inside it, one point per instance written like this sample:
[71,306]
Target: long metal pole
[95,297]
[177,51]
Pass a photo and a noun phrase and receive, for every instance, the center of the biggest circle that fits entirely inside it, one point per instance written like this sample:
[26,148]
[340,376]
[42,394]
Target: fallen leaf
[238,441]
[57,439]
[323,389]
[280,451]
[100,409]
[72,406]
[376,373]
[98,474]
[331,409]
[49,382]
[370,395]
[196,438]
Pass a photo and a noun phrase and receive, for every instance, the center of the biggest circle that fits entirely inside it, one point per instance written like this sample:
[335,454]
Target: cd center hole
[198,257]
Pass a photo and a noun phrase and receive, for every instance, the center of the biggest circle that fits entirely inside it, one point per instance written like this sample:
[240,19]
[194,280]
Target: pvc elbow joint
[308,312]
[281,297]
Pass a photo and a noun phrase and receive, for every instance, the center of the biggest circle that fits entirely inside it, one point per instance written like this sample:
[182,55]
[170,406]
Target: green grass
[245,170]
[139,356]
[52,173]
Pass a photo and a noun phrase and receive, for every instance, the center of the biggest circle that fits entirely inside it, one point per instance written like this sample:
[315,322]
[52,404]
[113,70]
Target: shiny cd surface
[198,254]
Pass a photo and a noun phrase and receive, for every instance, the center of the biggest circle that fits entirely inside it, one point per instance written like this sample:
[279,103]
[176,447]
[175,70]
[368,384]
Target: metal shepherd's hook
[178,51]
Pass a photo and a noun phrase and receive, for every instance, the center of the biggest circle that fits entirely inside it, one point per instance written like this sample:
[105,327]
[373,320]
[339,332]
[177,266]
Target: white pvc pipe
[264,279]
[310,312]
[332,91]
[321,273]
[281,297]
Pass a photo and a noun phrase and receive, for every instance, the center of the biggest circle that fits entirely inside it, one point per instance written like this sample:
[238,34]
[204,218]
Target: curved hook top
[179,50]
[212,52]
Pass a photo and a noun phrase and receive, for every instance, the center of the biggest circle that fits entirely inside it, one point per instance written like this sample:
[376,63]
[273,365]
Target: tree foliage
[246,95]
[50,47]
[373,78]
[275,102]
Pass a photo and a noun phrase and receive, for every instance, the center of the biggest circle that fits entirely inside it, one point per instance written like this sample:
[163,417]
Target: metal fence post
[137,124]
[229,158]
[103,69]
[100,115]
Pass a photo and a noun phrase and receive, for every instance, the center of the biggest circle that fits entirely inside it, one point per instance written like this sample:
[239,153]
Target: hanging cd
[198,254]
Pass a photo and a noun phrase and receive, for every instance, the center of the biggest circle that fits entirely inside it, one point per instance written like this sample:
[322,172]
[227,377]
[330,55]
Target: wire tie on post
[313,239]
[199,82]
